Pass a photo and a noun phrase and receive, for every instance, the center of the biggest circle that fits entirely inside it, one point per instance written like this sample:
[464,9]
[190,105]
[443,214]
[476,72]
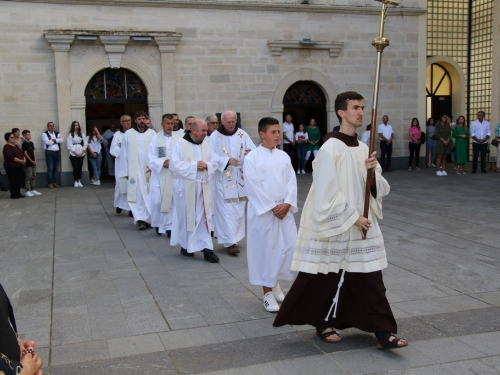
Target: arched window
[116,86]
[438,81]
[303,93]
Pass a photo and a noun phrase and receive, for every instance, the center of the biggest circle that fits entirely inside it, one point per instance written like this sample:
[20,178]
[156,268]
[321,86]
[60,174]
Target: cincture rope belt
[335,302]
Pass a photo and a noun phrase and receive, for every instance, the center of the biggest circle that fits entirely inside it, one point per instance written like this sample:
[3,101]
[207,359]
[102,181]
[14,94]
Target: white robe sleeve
[182,169]
[115,147]
[248,145]
[383,189]
[332,214]
[222,159]
[257,196]
[154,162]
[291,186]
[214,163]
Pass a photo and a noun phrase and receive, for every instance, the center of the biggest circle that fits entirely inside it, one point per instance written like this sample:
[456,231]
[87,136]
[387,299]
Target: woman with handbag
[461,134]
[414,143]
[430,147]
[76,144]
[94,148]
[443,144]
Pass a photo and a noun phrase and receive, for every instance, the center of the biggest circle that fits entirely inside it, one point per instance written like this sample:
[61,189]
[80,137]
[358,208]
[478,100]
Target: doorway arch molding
[305,74]
[82,78]
[458,82]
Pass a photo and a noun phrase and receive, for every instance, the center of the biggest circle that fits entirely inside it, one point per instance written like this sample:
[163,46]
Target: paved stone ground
[100,297]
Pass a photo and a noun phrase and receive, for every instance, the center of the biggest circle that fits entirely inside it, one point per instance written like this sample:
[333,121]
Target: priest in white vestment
[231,145]
[162,178]
[120,197]
[134,169]
[340,283]
[193,164]
[271,187]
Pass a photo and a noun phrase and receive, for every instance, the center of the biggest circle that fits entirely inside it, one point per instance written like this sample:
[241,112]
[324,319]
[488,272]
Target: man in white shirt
[133,168]
[480,132]
[288,136]
[231,145]
[51,144]
[162,179]
[386,134]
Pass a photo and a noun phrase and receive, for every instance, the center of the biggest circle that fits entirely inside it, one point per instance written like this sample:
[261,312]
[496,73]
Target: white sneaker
[270,303]
[298,171]
[92,182]
[444,173]
[98,182]
[76,184]
[28,194]
[79,184]
[34,192]
[303,171]
[439,173]
[278,293]
[433,165]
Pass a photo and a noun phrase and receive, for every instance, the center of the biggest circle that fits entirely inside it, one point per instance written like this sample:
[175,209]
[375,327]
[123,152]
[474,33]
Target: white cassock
[229,194]
[192,220]
[270,180]
[328,240]
[162,179]
[120,200]
[133,164]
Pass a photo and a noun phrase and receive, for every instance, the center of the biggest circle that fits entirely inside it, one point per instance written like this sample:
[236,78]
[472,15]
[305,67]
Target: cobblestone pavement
[101,297]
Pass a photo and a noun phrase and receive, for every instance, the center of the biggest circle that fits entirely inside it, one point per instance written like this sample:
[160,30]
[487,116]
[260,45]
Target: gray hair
[211,117]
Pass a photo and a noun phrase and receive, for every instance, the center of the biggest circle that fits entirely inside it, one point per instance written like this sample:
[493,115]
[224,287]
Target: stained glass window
[116,85]
[304,92]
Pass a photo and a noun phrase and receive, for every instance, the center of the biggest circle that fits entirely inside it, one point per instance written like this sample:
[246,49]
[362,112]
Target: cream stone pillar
[60,45]
[155,110]
[115,47]
[166,45]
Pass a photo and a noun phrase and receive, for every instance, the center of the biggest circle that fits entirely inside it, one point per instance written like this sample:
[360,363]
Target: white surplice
[270,180]
[156,157]
[192,235]
[139,207]
[229,185]
[328,240]
[120,200]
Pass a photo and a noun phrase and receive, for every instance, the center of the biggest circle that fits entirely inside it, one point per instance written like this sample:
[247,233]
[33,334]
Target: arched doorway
[439,91]
[305,100]
[109,94]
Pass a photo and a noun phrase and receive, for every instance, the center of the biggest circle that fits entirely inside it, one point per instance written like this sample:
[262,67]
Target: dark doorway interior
[305,100]
[110,94]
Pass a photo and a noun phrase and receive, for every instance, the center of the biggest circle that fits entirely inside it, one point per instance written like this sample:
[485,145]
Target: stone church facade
[201,57]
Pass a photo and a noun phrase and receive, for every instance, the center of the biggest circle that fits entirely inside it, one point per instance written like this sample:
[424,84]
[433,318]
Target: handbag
[495,142]
[422,138]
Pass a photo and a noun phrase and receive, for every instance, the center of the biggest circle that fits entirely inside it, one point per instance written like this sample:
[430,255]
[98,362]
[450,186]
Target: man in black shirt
[30,168]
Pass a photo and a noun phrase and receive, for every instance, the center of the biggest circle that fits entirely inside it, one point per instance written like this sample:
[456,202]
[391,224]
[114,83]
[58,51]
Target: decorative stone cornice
[167,44]
[277,47]
[247,5]
[59,43]
[115,47]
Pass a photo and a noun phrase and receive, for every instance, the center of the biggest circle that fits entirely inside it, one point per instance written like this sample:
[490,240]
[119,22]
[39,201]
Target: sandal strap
[386,343]
[325,334]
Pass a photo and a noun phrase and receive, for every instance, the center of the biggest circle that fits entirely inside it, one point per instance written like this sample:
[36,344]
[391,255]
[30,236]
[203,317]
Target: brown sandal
[385,343]
[324,335]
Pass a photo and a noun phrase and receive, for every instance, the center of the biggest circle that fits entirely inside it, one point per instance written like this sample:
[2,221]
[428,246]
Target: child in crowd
[271,188]
[30,168]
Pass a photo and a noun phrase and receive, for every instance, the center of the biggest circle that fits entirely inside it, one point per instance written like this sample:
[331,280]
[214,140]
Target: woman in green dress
[461,134]
[443,144]
[314,135]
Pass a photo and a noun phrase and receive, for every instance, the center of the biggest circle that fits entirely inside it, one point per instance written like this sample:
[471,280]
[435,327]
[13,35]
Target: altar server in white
[231,145]
[193,164]
[120,201]
[271,188]
[134,169]
[162,178]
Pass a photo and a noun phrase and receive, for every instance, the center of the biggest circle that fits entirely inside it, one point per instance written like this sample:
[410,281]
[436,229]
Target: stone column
[60,45]
[166,45]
